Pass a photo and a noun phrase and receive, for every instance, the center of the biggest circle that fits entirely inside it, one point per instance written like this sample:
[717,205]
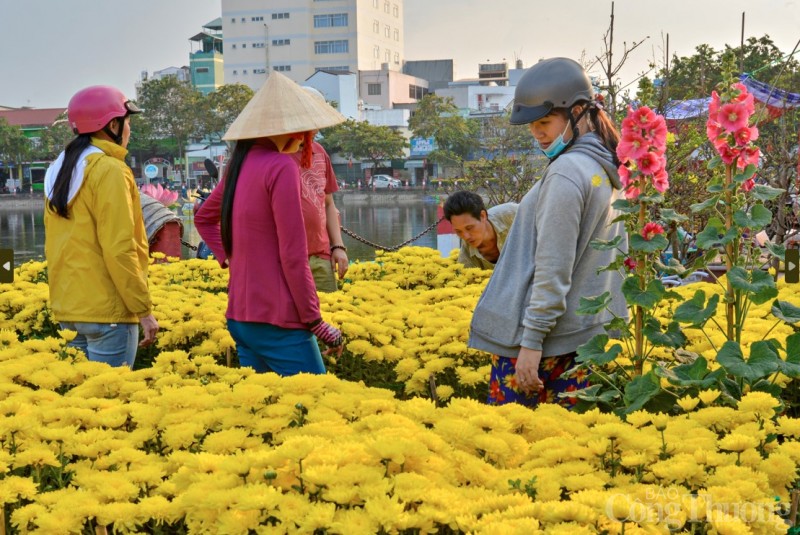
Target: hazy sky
[51,48]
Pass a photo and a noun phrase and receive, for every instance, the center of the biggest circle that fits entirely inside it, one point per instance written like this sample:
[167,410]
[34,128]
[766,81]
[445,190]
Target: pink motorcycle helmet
[92,108]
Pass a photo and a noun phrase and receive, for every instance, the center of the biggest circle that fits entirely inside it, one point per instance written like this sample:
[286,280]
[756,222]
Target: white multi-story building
[300,37]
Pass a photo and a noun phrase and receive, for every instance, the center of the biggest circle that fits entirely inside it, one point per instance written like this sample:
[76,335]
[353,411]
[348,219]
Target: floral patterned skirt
[503,386]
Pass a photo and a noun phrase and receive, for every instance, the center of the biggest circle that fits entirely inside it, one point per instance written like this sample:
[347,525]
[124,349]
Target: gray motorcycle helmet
[551,83]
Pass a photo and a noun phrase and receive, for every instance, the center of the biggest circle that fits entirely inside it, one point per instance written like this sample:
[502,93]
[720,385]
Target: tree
[14,146]
[508,167]
[695,77]
[53,139]
[223,106]
[606,61]
[455,136]
[170,111]
[364,141]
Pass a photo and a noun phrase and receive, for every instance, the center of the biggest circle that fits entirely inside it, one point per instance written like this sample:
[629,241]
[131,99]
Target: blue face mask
[557,146]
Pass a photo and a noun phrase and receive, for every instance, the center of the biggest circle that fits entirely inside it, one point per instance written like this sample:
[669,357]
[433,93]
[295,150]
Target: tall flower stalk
[730,131]
[624,375]
[641,152]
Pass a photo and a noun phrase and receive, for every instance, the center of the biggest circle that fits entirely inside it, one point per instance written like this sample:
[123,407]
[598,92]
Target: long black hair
[240,150]
[58,200]
[601,123]
[606,129]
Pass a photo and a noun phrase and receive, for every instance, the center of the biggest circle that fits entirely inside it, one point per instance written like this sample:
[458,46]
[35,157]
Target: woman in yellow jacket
[95,241]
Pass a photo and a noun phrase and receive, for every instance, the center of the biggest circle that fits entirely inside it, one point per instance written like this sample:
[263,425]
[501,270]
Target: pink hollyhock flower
[749,155]
[632,146]
[643,117]
[632,192]
[650,163]
[657,132]
[624,174]
[744,97]
[629,185]
[740,92]
[745,135]
[748,184]
[629,263]
[713,130]
[651,230]
[661,181]
[727,153]
[628,123]
[732,116]
[713,106]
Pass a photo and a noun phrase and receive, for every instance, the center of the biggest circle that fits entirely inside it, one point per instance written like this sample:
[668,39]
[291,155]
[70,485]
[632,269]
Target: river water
[387,220]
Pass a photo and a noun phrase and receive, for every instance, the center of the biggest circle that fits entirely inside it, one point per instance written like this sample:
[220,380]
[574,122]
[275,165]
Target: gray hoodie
[547,264]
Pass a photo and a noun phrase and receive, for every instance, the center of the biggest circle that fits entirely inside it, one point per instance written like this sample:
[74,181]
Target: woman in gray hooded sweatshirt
[526,316]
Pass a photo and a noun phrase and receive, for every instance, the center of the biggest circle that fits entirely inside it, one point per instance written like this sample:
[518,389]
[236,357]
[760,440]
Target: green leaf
[692,375]
[594,351]
[604,245]
[641,390]
[777,250]
[673,267]
[618,327]
[695,374]
[714,162]
[758,218]
[639,243]
[762,192]
[647,298]
[616,265]
[655,198]
[701,262]
[758,284]
[791,366]
[595,394]
[708,203]
[746,173]
[695,311]
[762,362]
[671,216]
[625,206]
[783,310]
[672,337]
[593,305]
[714,235]
[730,389]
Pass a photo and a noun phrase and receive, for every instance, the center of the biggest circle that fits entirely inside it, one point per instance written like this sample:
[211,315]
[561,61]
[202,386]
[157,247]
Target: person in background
[327,254]
[95,241]
[482,232]
[526,315]
[253,223]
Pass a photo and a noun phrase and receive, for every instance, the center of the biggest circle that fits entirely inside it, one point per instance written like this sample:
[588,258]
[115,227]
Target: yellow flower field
[189,445]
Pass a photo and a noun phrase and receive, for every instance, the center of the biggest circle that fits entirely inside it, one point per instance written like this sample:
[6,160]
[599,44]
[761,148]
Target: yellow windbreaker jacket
[97,259]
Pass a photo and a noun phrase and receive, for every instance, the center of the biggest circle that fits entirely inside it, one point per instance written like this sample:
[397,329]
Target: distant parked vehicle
[385,181]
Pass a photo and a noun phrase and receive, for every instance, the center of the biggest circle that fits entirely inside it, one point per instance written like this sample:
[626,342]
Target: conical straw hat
[281,107]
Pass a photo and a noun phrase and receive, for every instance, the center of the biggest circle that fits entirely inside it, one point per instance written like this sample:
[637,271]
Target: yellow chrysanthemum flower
[708,396]
[737,442]
[688,403]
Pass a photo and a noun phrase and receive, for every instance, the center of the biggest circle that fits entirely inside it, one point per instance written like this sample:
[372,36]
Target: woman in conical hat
[253,224]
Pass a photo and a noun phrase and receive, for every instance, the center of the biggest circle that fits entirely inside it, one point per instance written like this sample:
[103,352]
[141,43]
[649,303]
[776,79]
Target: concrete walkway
[21,201]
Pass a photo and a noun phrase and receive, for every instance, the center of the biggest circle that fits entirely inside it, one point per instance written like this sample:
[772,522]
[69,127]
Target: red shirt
[315,183]
[270,281]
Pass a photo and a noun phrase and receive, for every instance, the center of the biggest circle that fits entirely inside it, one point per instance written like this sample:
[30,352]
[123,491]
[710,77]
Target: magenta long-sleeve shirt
[270,280]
